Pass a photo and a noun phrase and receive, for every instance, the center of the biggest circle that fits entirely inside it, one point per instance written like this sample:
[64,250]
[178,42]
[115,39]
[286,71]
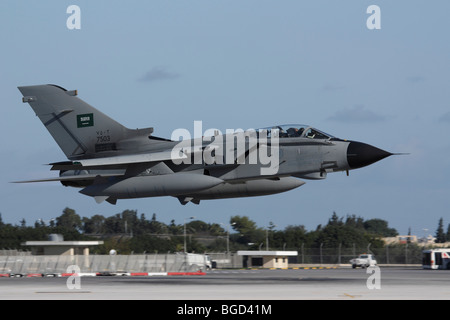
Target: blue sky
[240,64]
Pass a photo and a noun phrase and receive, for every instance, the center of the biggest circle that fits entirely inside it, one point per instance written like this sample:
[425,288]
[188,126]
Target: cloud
[357,114]
[415,79]
[445,117]
[158,74]
[328,87]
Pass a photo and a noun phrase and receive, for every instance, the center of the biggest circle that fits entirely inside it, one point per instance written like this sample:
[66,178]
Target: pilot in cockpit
[294,132]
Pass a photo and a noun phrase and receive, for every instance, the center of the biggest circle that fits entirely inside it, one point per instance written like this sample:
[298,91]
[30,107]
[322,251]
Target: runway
[309,284]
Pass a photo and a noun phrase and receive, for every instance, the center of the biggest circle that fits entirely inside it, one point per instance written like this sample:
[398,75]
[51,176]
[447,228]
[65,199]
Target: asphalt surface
[310,284]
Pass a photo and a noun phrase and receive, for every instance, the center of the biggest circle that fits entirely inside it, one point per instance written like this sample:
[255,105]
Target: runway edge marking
[99,274]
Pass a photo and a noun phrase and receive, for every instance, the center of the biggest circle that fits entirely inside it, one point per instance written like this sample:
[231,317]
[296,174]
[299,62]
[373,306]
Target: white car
[364,261]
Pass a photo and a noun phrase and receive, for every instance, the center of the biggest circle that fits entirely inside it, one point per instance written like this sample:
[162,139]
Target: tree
[441,237]
[448,232]
[379,227]
[355,222]
[154,226]
[334,235]
[294,236]
[248,231]
[242,224]
[334,220]
[94,225]
[69,220]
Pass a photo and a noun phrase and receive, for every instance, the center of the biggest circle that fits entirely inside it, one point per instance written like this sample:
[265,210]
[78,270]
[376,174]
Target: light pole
[228,234]
[267,234]
[185,219]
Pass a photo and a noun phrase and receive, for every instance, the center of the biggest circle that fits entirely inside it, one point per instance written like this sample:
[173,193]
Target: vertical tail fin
[79,129]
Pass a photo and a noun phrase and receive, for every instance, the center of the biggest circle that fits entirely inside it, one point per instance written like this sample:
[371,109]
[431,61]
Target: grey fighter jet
[109,161]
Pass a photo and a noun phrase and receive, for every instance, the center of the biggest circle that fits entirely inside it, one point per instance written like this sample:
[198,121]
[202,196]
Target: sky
[240,64]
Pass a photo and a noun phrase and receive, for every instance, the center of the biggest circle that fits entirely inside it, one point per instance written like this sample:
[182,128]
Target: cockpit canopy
[296,131]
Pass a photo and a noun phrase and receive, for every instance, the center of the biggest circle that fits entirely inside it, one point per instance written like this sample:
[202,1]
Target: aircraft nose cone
[361,154]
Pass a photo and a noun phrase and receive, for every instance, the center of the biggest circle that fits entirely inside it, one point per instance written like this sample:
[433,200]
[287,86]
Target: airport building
[57,246]
[266,259]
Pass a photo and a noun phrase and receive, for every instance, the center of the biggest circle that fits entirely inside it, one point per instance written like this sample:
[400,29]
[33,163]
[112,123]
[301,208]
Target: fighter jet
[109,161]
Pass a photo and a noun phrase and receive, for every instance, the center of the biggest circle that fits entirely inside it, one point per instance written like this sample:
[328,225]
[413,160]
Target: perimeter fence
[24,263]
[388,255]
[47,265]
[398,254]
